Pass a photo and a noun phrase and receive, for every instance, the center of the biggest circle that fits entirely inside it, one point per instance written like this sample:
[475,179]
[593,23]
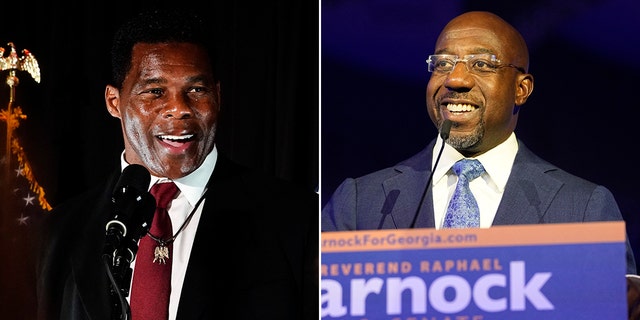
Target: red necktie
[151,286]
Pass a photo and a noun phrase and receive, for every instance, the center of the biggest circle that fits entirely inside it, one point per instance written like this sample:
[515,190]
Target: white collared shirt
[487,189]
[192,187]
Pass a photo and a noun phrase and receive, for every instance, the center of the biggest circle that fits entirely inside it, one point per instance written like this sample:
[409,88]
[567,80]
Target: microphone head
[132,205]
[445,129]
[133,176]
[133,208]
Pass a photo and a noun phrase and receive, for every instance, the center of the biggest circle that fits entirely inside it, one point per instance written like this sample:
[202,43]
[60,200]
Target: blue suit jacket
[536,192]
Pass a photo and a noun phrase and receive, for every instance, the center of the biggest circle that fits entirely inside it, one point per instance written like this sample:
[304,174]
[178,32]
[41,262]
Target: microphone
[445,129]
[133,207]
[444,132]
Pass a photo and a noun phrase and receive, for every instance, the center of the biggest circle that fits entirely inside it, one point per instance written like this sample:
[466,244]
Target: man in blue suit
[479,80]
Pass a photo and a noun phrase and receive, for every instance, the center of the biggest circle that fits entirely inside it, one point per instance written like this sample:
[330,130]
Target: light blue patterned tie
[463,209]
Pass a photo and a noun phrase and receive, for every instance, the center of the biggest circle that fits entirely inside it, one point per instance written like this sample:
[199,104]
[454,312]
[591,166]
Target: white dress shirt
[487,189]
[192,187]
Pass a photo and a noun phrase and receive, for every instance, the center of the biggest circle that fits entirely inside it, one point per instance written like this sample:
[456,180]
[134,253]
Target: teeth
[176,138]
[459,107]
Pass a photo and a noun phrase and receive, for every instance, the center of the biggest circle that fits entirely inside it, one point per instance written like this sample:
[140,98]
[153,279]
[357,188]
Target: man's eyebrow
[473,51]
[483,50]
[193,79]
[200,78]
[153,80]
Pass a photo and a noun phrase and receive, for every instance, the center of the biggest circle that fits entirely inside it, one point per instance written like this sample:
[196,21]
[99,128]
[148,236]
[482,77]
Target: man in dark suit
[244,245]
[479,81]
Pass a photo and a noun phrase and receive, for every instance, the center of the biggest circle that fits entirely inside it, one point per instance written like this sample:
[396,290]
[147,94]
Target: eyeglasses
[479,64]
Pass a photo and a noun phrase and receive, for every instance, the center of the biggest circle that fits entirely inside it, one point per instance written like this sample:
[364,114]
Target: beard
[469,141]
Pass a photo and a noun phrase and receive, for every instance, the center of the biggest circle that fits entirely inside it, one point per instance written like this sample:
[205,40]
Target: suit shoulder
[258,186]
[527,158]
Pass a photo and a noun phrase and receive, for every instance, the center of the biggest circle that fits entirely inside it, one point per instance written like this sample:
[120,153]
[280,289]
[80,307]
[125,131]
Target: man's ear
[524,88]
[112,100]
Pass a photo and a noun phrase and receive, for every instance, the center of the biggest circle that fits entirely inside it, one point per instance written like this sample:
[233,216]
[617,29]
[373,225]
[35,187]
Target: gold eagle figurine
[26,63]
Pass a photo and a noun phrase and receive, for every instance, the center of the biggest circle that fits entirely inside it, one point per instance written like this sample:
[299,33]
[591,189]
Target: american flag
[22,201]
[23,206]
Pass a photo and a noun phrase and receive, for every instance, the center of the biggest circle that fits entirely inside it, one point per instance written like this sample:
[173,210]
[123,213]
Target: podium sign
[549,271]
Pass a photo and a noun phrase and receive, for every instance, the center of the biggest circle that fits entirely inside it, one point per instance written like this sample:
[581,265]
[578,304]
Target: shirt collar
[192,185]
[497,162]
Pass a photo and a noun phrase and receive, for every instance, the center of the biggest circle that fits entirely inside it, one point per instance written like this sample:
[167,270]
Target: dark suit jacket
[536,192]
[255,254]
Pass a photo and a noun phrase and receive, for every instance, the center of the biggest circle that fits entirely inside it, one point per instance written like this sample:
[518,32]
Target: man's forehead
[467,32]
[468,40]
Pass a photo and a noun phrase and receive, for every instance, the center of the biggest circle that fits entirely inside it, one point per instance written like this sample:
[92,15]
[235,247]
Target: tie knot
[164,193]
[468,169]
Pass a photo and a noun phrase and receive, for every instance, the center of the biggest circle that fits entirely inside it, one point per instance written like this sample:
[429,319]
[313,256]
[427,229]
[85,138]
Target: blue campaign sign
[562,271]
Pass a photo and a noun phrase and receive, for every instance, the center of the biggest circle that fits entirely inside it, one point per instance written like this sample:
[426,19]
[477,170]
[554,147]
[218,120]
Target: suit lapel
[198,290]
[529,190]
[87,266]
[404,191]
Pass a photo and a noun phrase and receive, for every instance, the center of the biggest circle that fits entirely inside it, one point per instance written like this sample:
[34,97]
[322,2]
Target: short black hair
[158,26]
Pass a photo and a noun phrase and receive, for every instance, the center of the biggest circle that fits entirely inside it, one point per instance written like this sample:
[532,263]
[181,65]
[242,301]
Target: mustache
[456,95]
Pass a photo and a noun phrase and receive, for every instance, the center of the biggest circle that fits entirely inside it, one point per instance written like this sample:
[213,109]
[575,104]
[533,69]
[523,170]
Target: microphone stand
[444,134]
[119,273]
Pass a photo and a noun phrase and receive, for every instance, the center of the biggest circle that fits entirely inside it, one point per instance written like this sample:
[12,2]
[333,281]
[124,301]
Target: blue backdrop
[585,57]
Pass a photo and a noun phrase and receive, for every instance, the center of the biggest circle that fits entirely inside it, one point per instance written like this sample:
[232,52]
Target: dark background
[582,115]
[269,118]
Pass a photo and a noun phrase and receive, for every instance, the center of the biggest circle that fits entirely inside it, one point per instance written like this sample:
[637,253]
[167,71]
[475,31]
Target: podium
[548,271]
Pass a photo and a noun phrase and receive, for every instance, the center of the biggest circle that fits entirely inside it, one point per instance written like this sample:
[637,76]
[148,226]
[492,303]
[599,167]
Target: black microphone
[133,207]
[445,129]
[444,133]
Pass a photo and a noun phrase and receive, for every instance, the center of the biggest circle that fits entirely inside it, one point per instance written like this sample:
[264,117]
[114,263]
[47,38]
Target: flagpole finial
[27,62]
